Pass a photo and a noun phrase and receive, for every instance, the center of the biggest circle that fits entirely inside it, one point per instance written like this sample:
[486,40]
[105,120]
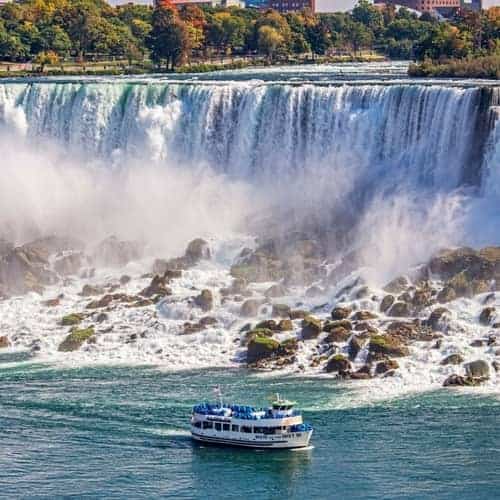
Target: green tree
[269,40]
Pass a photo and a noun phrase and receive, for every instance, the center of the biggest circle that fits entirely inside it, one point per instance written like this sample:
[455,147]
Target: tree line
[51,30]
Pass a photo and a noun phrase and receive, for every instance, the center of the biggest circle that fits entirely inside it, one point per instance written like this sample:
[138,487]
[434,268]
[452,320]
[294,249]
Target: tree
[269,39]
[358,36]
[46,58]
[169,40]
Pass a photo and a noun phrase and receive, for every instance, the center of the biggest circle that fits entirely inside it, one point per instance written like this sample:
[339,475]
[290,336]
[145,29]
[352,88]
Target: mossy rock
[72,319]
[285,325]
[75,339]
[258,332]
[338,334]
[387,345]
[260,347]
[338,363]
[311,327]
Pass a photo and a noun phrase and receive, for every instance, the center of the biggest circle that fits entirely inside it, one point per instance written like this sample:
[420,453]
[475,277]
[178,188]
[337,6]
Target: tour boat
[278,426]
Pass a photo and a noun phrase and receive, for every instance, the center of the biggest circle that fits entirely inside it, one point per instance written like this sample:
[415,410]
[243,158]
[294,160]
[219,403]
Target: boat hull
[301,441]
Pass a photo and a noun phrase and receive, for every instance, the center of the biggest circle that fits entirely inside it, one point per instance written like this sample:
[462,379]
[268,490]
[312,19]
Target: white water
[167,161]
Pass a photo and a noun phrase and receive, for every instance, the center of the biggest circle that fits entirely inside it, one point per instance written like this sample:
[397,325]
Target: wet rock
[261,347]
[75,339]
[496,365]
[459,380]
[338,363]
[311,327]
[410,330]
[341,323]
[452,359]
[298,314]
[364,326]
[338,334]
[386,345]
[101,317]
[158,286]
[125,279]
[386,303]
[314,291]
[250,307]
[355,345]
[477,369]
[399,310]
[90,290]
[276,291]
[4,342]
[360,375]
[142,302]
[487,316]
[490,298]
[53,302]
[285,325]
[197,250]
[397,285]
[478,343]
[112,252]
[281,310]
[107,299]
[269,324]
[386,365]
[205,300]
[341,312]
[69,264]
[363,316]
[447,294]
[256,266]
[436,317]
[422,298]
[72,319]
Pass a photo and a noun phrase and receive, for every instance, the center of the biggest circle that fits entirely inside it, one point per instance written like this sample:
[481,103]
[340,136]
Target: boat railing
[241,412]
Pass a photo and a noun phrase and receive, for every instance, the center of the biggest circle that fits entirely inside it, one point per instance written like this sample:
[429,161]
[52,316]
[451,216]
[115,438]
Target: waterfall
[415,134]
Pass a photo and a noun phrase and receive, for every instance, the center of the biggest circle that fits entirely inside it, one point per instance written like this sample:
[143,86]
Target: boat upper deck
[243,412]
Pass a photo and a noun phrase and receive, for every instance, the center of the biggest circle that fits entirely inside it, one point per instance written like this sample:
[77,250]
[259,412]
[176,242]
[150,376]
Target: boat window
[258,430]
[270,430]
[218,427]
[208,425]
[197,425]
[235,428]
[225,427]
[245,428]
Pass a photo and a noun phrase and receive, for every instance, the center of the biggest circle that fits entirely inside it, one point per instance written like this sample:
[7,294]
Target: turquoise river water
[122,432]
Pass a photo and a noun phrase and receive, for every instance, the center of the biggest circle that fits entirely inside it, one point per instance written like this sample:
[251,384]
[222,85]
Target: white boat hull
[226,438]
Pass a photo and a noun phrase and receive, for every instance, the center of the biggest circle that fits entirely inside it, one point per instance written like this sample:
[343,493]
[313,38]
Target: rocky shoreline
[281,305]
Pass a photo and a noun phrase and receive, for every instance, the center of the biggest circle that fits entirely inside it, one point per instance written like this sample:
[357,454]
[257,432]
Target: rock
[261,347]
[260,265]
[399,309]
[386,365]
[298,314]
[355,345]
[457,380]
[125,279]
[452,359]
[276,291]
[360,375]
[142,302]
[101,317]
[69,264]
[496,365]
[90,290]
[477,369]
[107,299]
[410,330]
[314,291]
[386,345]
[341,312]
[490,298]
[436,317]
[422,298]
[338,363]
[397,285]
[197,250]
[75,339]
[205,300]
[250,307]
[487,316]
[386,303]
[478,343]
[447,294]
[52,302]
[268,324]
[363,316]
[6,247]
[112,252]
[311,327]
[72,319]
[285,325]
[364,326]
[158,286]
[281,310]
[4,342]
[338,334]
[342,323]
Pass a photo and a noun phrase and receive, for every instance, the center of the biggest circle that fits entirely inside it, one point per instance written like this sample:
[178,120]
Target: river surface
[122,432]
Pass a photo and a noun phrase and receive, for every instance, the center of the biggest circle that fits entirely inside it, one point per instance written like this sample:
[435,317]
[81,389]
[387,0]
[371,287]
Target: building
[206,3]
[284,6]
[426,5]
